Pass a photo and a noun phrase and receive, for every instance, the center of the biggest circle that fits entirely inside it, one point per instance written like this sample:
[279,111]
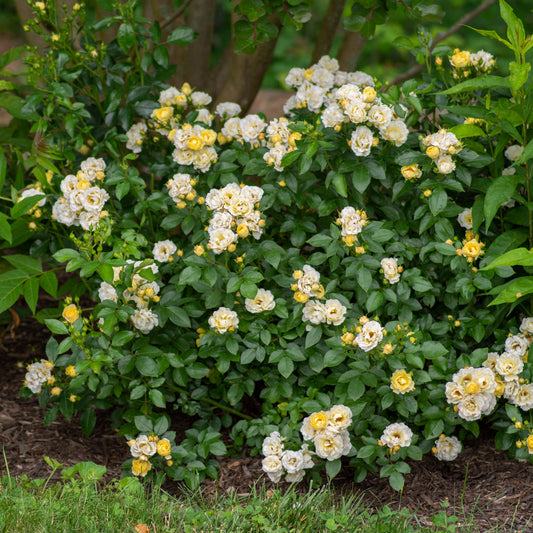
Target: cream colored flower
[144,320]
[314,312]
[361,141]
[164,250]
[334,312]
[292,461]
[447,448]
[397,434]
[263,301]
[411,172]
[273,467]
[509,366]
[516,345]
[395,131]
[339,418]
[465,218]
[220,239]
[143,446]
[370,336]
[454,393]
[107,292]
[390,269]
[526,325]
[330,445]
[523,397]
[224,319]
[445,164]
[310,277]
[273,444]
[513,152]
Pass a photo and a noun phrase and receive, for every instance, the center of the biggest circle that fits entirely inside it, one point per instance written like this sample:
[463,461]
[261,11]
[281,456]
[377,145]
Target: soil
[482,482]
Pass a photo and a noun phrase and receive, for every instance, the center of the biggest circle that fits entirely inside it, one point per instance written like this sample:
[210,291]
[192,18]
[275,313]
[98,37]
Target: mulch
[483,482]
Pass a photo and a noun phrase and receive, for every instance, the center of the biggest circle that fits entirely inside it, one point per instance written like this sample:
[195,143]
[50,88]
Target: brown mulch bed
[496,490]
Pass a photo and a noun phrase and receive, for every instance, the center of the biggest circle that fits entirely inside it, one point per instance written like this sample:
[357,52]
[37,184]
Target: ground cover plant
[348,280]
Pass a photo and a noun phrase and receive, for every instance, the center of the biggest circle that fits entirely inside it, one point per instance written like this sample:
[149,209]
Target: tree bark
[350,51]
[328,29]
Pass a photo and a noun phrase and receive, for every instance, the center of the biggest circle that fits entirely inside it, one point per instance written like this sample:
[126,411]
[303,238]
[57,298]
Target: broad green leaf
[122,337]
[147,366]
[527,154]
[30,290]
[333,468]
[182,36]
[179,316]
[143,424]
[485,82]
[519,74]
[126,36]
[285,367]
[339,184]
[24,205]
[11,283]
[514,290]
[518,256]
[56,326]
[438,201]
[5,228]
[515,28]
[88,421]
[432,349]
[500,190]
[24,263]
[467,130]
[157,398]
[396,481]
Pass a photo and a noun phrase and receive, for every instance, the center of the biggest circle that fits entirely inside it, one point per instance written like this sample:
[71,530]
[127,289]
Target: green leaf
[143,424]
[5,229]
[147,366]
[518,256]
[515,28]
[527,154]
[161,426]
[396,481]
[157,398]
[126,36]
[122,337]
[374,301]
[438,201]
[285,367]
[365,452]
[30,290]
[23,206]
[333,468]
[484,82]
[432,349]
[24,263]
[66,254]
[48,281]
[467,130]
[248,289]
[519,74]
[500,190]
[361,178]
[137,392]
[339,184]
[88,421]
[313,337]
[182,36]
[514,290]
[179,316]
[56,326]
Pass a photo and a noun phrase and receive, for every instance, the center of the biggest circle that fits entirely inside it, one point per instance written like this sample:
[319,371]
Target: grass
[79,504]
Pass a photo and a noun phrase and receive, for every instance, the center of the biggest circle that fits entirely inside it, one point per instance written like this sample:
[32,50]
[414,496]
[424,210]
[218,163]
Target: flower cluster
[307,284]
[508,366]
[136,135]
[396,436]
[329,432]
[39,374]
[279,461]
[234,206]
[472,391]
[465,63]
[472,247]
[280,140]
[194,146]
[352,221]
[249,129]
[440,147]
[224,319]
[447,448]
[144,447]
[83,201]
[369,334]
[180,188]
[330,312]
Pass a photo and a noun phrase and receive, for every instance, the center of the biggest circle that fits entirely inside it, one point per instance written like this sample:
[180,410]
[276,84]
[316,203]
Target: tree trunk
[351,48]
[328,29]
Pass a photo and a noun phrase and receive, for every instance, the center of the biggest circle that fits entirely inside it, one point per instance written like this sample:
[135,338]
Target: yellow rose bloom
[411,172]
[433,152]
[70,371]
[401,382]
[71,313]
[163,447]
[461,59]
[472,249]
[318,420]
[301,297]
[163,114]
[140,467]
[348,337]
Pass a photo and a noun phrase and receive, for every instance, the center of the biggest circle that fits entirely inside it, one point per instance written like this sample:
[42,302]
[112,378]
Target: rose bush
[328,268]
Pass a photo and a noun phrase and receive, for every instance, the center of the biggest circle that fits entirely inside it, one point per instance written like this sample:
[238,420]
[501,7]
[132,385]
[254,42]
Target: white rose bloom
[370,336]
[323,78]
[241,206]
[213,200]
[527,325]
[143,446]
[220,239]
[251,127]
[223,319]
[144,320]
[179,186]
[89,219]
[390,269]
[263,301]
[32,192]
[448,448]
[397,434]
[68,185]
[513,152]
[33,383]
[292,461]
[232,128]
[289,105]
[170,97]
[333,115]
[164,250]
[509,365]
[296,477]
[314,312]
[361,141]
[107,292]
[523,397]
[512,386]
[463,376]
[334,312]
[339,418]
[252,221]
[135,137]
[329,445]
[38,373]
[275,156]
[509,171]
[221,220]
[445,164]
[341,78]
[380,115]
[183,157]
[306,282]
[482,60]
[203,158]
[312,96]
[350,222]
[64,214]
[199,98]
[272,467]
[252,192]
[278,127]
[465,218]
[91,166]
[228,109]
[94,199]
[490,361]
[361,78]
[356,111]
[329,63]
[395,131]
[472,407]
[229,193]
[273,444]
[308,456]
[295,77]
[516,345]
[454,393]
[307,430]
[485,378]
[204,116]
